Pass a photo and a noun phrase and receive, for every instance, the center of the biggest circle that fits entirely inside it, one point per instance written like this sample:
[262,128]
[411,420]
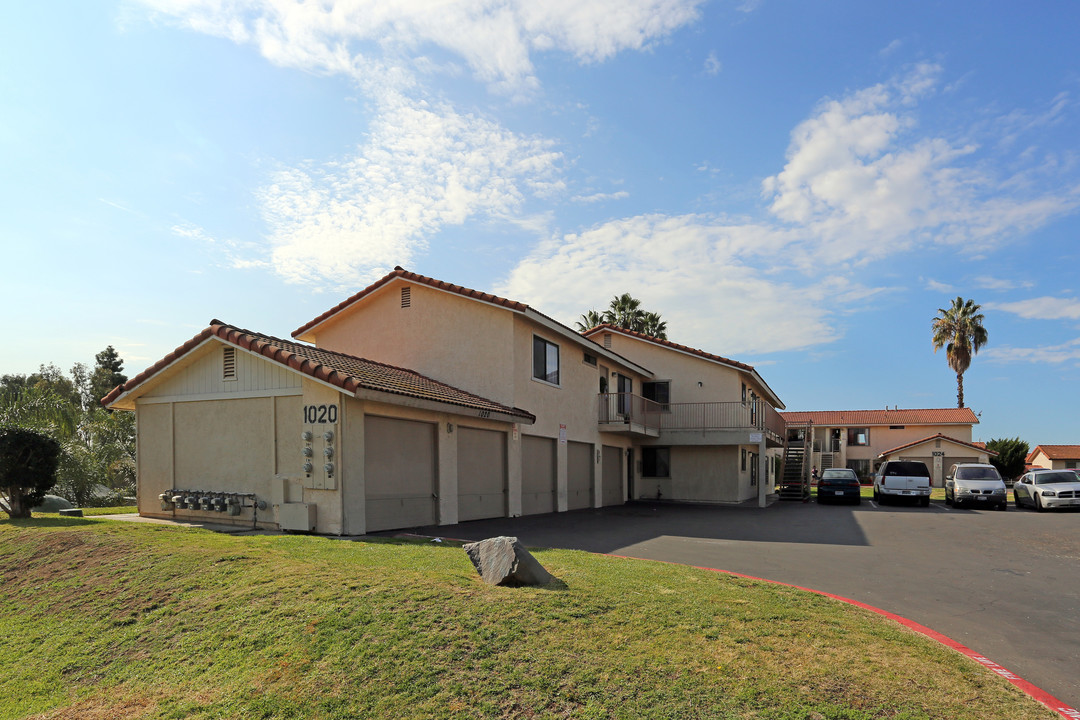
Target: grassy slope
[114,620]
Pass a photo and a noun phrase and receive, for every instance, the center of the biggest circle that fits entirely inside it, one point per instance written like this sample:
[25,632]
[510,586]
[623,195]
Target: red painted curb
[1036,693]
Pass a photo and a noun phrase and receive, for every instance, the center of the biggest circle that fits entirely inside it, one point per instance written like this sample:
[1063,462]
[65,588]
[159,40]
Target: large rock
[504,561]
[51,504]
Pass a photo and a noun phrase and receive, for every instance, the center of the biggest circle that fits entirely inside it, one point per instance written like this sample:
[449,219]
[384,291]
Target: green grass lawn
[105,619]
[90,512]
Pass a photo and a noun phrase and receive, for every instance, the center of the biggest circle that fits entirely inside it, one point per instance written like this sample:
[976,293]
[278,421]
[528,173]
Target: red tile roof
[866,418]
[344,371]
[1056,452]
[605,327]
[939,436]
[400,272]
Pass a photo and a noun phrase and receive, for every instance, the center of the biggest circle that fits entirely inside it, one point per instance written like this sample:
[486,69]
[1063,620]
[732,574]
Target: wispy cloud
[600,197]
[987,282]
[713,65]
[1046,354]
[422,168]
[1041,308]
[936,286]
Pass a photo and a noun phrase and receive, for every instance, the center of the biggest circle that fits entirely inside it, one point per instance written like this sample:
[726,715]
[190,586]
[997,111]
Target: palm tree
[651,324]
[590,320]
[960,331]
[625,312]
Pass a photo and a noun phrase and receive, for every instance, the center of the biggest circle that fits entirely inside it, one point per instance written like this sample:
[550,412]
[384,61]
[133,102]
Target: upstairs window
[589,359]
[658,392]
[858,436]
[545,360]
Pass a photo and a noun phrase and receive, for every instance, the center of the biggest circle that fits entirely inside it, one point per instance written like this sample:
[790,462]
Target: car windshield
[907,469]
[838,477]
[1055,477]
[977,473]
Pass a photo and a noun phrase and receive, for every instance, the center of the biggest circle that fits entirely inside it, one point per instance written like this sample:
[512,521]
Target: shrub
[28,462]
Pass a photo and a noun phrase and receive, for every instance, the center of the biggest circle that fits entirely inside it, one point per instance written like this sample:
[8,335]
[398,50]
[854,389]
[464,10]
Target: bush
[28,462]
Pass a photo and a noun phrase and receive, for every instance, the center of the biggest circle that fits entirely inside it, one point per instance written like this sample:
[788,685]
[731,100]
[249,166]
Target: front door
[626,387]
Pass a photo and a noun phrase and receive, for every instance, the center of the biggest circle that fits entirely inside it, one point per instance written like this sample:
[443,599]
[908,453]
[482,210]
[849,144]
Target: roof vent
[406,297]
[228,364]
[607,340]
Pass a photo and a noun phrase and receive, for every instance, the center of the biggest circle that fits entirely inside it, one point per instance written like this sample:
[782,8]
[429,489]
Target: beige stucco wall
[948,454]
[882,438]
[456,340]
[1041,460]
[719,383]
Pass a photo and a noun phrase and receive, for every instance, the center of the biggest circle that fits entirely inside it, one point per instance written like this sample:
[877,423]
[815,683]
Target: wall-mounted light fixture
[449,428]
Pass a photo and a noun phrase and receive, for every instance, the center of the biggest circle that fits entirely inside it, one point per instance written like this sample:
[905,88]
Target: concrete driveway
[1005,584]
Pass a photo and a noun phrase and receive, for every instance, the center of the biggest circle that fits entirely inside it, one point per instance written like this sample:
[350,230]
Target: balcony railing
[635,410]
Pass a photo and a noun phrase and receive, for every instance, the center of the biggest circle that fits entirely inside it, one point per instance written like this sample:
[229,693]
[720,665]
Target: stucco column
[762,475]
[513,472]
[447,480]
[561,501]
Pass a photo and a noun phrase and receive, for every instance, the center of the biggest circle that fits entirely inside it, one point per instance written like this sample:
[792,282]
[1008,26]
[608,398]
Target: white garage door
[399,473]
[537,475]
[579,475]
[481,474]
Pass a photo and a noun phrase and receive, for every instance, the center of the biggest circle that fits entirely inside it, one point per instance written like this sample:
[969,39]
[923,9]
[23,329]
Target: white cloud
[378,41]
[1041,308]
[1048,354]
[713,65]
[936,286]
[703,275]
[860,179]
[423,167]
[600,197]
[992,283]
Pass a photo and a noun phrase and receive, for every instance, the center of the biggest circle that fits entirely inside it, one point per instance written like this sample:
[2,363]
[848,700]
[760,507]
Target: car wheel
[925,502]
[948,500]
[858,500]
[1004,506]
[1038,504]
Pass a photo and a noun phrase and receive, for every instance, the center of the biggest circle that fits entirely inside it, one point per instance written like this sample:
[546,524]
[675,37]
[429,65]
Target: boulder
[52,503]
[505,561]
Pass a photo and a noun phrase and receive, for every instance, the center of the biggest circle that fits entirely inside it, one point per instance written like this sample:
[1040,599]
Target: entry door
[626,387]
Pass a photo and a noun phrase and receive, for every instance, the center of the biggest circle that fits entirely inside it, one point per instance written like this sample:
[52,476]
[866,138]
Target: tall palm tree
[590,320]
[959,329]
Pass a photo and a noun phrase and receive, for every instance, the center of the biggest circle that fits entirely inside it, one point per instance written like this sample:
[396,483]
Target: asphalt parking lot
[1005,584]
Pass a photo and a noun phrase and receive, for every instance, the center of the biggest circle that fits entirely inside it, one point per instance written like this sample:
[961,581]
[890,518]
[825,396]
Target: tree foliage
[96,462]
[1011,456]
[28,463]
[959,329]
[625,311]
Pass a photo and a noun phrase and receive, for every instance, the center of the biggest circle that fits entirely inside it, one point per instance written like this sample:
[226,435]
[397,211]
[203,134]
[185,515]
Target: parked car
[838,484]
[1047,489]
[902,479]
[975,484]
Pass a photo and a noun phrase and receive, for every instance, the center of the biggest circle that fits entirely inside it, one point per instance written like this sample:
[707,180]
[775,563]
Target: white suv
[902,478]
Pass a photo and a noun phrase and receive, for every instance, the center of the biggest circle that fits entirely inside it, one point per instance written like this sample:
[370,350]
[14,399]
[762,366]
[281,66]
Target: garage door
[537,475]
[612,481]
[481,470]
[579,475]
[399,473]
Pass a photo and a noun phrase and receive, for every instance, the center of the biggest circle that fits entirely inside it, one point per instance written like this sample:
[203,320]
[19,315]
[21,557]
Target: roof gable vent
[228,364]
[607,340]
[406,297]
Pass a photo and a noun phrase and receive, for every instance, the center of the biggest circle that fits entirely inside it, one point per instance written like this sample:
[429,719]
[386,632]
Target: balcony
[633,414]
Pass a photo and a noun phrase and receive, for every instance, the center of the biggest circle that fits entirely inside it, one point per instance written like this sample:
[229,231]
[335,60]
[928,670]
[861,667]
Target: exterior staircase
[795,482]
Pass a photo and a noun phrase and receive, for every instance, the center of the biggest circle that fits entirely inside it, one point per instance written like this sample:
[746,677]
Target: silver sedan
[1047,489]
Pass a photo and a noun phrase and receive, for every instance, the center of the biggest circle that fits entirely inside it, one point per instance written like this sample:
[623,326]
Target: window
[589,359]
[861,467]
[545,361]
[656,462]
[658,392]
[858,436]
[743,458]
[744,392]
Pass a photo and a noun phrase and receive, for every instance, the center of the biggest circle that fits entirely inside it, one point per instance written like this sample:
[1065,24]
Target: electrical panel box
[319,447]
[297,516]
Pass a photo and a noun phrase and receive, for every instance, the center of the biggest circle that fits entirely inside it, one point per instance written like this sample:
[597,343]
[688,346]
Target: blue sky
[799,186]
